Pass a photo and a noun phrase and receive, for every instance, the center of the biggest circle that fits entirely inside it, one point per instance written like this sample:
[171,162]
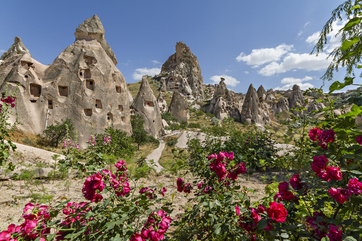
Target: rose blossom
[334,173]
[334,233]
[313,133]
[359,140]
[283,187]
[354,186]
[180,184]
[319,163]
[339,194]
[277,212]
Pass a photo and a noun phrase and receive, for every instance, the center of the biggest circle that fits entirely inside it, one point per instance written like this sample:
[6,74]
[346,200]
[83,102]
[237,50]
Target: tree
[139,134]
[349,53]
[56,133]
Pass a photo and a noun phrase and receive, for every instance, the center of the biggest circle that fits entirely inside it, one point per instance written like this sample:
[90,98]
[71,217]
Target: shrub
[194,125]
[56,133]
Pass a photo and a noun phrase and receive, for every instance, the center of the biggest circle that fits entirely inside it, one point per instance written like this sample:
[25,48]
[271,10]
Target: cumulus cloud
[229,80]
[156,62]
[290,81]
[296,61]
[246,72]
[334,40]
[264,55]
[138,73]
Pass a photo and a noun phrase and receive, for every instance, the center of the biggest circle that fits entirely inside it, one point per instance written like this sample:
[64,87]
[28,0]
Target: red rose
[319,163]
[334,173]
[283,187]
[277,212]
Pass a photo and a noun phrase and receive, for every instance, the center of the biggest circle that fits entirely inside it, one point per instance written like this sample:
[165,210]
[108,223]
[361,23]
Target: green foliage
[214,121]
[139,134]
[168,118]
[56,133]
[194,125]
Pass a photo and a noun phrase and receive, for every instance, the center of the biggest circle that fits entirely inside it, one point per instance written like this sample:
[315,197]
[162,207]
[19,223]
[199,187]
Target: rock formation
[261,93]
[146,105]
[281,105]
[314,106]
[183,73]
[296,99]
[162,104]
[82,84]
[270,96]
[179,108]
[253,112]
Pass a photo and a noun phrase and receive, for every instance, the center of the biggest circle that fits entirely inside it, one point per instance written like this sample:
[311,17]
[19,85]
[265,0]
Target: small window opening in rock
[90,84]
[88,112]
[110,117]
[26,76]
[80,73]
[120,107]
[87,74]
[35,90]
[63,90]
[123,118]
[32,101]
[118,89]
[99,104]
[114,76]
[50,104]
[149,103]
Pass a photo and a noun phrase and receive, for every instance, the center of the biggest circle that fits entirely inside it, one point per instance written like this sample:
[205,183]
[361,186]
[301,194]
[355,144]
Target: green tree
[139,134]
[349,53]
[56,133]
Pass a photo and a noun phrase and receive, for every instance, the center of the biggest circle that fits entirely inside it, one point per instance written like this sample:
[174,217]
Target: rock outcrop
[179,108]
[261,93]
[270,96]
[254,112]
[281,105]
[82,84]
[162,104]
[315,106]
[146,105]
[296,99]
[183,73]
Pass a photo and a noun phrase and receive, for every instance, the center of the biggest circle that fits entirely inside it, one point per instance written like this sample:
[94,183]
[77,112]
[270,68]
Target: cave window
[110,117]
[33,101]
[80,73]
[114,77]
[26,76]
[99,104]
[123,118]
[149,103]
[118,89]
[90,84]
[87,74]
[120,107]
[63,90]
[88,112]
[50,104]
[35,90]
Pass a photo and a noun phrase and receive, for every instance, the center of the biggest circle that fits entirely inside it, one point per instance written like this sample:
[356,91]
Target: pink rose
[334,173]
[319,163]
[339,194]
[313,133]
[237,210]
[163,191]
[180,184]
[354,186]
[359,140]
[334,233]
[289,196]
[277,212]
[324,176]
[283,187]
[136,237]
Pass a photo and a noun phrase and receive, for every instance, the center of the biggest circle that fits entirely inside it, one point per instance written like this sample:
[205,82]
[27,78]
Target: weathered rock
[146,105]
[270,96]
[253,112]
[261,93]
[82,84]
[162,104]
[314,106]
[221,89]
[281,105]
[209,90]
[184,73]
[179,108]
[220,111]
[18,48]
[296,99]
[92,29]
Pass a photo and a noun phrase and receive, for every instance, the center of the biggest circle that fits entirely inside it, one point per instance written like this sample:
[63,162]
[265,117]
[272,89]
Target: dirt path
[155,156]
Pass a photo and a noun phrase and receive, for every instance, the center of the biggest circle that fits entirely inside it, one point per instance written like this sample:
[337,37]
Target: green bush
[54,134]
[194,125]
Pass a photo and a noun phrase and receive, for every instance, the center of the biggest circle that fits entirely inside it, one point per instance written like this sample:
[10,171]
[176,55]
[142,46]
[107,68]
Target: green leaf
[349,238]
[217,228]
[351,23]
[355,111]
[262,224]
[355,7]
[338,85]
[284,235]
[348,43]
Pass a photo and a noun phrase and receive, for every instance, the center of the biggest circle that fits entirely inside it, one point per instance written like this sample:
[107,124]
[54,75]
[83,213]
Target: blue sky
[260,42]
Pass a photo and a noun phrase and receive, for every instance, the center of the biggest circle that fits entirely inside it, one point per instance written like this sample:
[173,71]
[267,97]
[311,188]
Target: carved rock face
[162,104]
[184,73]
[282,105]
[296,98]
[146,105]
[179,108]
[270,96]
[254,112]
[314,105]
[82,84]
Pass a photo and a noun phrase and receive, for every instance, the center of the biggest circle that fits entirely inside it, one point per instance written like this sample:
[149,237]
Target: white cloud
[156,62]
[264,55]
[230,81]
[296,61]
[334,40]
[290,86]
[290,81]
[138,73]
[300,33]
[305,25]
[313,38]
[246,72]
